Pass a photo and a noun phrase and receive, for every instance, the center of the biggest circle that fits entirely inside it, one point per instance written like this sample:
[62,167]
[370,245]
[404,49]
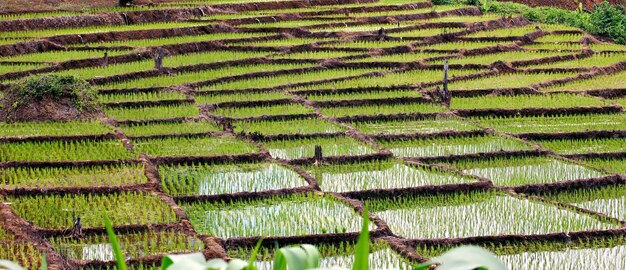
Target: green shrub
[39,87]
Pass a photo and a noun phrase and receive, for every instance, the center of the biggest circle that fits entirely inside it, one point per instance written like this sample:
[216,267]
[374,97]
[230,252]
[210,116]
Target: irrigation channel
[216,148]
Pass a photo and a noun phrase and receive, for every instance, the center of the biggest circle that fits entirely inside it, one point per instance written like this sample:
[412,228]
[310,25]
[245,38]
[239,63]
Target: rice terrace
[207,125]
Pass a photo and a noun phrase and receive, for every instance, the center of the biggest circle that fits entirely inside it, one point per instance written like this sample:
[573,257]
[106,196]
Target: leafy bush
[39,87]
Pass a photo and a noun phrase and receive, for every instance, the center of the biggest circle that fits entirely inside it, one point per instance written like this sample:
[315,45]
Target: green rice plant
[425,32]
[587,253]
[10,68]
[610,200]
[597,60]
[597,82]
[511,56]
[518,171]
[59,56]
[504,32]
[358,28]
[465,19]
[555,124]
[134,245]
[35,15]
[526,101]
[621,101]
[554,46]
[477,214]
[26,254]
[214,97]
[584,146]
[280,42]
[305,148]
[366,44]
[426,126]
[385,174]
[444,146]
[208,57]
[375,94]
[295,126]
[59,211]
[197,76]
[96,176]
[277,216]
[154,112]
[142,96]
[457,45]
[561,38]
[55,151]
[154,42]
[406,12]
[401,57]
[286,24]
[313,55]
[412,77]
[5,41]
[616,165]
[291,78]
[195,146]
[186,127]
[134,266]
[5,235]
[97,29]
[383,109]
[342,255]
[212,179]
[33,129]
[109,70]
[281,109]
[508,80]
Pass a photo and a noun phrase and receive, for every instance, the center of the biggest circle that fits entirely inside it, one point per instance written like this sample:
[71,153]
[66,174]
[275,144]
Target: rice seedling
[194,146]
[609,200]
[291,78]
[597,82]
[444,146]
[334,255]
[511,56]
[10,68]
[33,129]
[277,216]
[54,151]
[425,32]
[35,15]
[187,127]
[134,266]
[305,148]
[109,70]
[555,38]
[526,101]
[279,42]
[214,97]
[518,171]
[134,245]
[425,126]
[621,101]
[467,45]
[366,44]
[465,19]
[383,109]
[154,112]
[255,111]
[59,56]
[357,28]
[587,253]
[197,76]
[211,179]
[508,80]
[59,211]
[412,77]
[616,165]
[584,146]
[313,55]
[406,12]
[504,32]
[95,176]
[26,254]
[402,57]
[142,96]
[598,47]
[5,235]
[555,124]
[154,42]
[97,29]
[385,174]
[287,24]
[295,126]
[374,94]
[477,214]
[597,60]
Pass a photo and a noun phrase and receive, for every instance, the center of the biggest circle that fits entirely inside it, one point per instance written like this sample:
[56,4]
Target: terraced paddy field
[217,148]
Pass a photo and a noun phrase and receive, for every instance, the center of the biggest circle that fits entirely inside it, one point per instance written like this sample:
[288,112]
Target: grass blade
[117,252]
[361,258]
